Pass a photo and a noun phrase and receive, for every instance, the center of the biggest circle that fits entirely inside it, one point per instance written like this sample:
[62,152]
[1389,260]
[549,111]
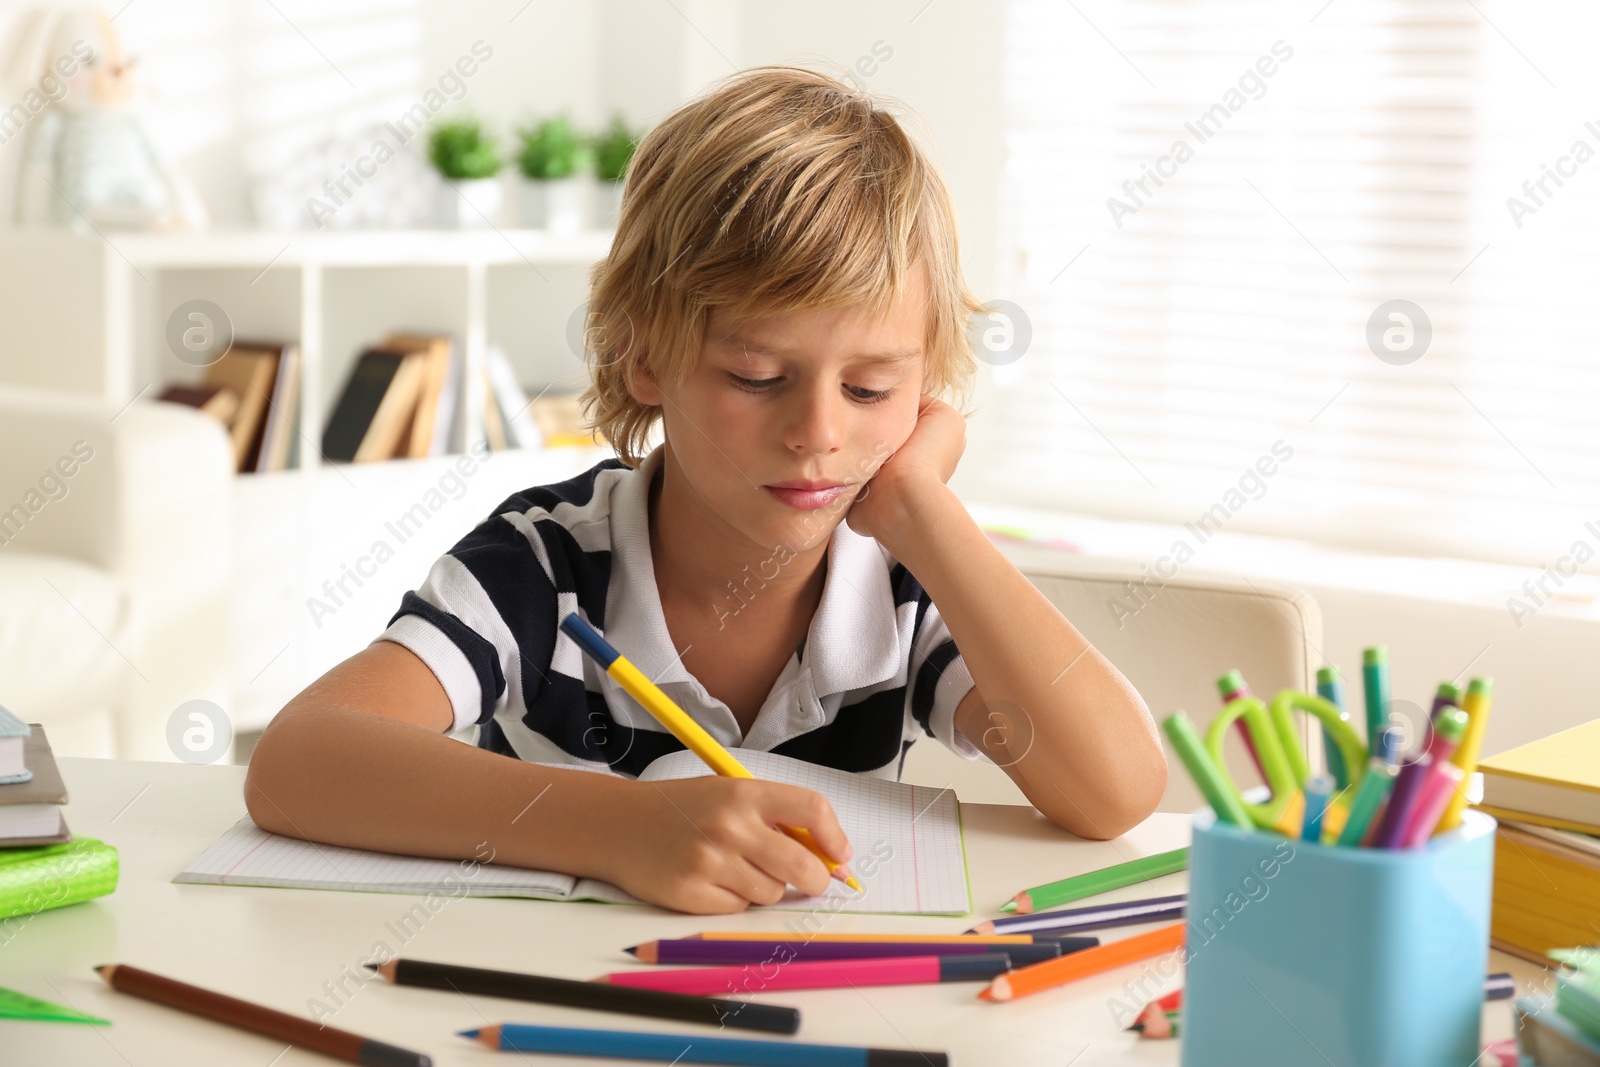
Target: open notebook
[912,833]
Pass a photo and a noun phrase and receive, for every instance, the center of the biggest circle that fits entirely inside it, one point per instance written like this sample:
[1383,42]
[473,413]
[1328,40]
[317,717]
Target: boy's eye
[868,396]
[762,385]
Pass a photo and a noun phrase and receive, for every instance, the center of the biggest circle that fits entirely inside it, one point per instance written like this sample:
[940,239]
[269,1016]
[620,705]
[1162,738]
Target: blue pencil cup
[1301,953]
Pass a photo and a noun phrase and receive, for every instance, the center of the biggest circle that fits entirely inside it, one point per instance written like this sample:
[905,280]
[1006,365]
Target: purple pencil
[1098,917]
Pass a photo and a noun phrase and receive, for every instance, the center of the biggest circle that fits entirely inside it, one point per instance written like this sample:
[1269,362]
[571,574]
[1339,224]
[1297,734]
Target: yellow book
[1556,777]
[1546,895]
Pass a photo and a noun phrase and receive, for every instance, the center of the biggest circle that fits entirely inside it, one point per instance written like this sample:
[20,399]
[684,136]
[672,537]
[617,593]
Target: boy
[783,298]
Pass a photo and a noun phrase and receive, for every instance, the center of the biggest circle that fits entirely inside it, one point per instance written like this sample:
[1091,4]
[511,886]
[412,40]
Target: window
[1209,213]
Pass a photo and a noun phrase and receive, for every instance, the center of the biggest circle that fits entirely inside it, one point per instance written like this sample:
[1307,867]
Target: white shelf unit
[88,314]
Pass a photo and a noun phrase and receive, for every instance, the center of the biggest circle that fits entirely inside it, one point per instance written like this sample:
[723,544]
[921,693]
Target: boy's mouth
[806,495]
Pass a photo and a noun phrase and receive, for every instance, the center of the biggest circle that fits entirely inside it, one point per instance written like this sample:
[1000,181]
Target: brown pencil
[268,1022]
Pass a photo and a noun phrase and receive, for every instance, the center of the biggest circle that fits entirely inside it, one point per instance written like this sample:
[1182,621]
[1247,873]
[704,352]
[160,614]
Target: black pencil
[737,1014]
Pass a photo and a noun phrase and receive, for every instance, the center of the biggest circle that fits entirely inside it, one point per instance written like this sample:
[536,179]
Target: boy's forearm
[1075,735]
[347,777]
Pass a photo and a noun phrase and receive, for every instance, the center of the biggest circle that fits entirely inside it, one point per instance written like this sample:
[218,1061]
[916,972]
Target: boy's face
[786,416]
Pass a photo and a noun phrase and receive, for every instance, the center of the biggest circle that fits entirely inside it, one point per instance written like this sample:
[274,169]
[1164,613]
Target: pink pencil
[816,974]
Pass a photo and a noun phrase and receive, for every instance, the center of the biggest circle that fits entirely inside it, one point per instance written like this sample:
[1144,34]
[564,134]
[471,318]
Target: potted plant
[466,158]
[550,157]
[613,150]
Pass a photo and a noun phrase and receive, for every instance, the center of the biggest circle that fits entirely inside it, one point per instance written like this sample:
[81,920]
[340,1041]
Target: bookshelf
[87,313]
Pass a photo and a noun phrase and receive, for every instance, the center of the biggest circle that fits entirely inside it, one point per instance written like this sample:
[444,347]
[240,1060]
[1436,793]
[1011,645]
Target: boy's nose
[815,425]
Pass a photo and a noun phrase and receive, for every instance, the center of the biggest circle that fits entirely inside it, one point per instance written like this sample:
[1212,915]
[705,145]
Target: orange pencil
[1025,981]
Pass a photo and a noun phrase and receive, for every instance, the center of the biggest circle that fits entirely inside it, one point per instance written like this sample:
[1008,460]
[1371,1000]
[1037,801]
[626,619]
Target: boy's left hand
[927,459]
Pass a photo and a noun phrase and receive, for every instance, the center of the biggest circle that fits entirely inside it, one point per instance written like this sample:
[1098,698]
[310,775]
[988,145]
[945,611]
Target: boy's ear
[642,383]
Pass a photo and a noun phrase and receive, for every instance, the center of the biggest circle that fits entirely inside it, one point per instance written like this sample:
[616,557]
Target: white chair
[1172,642]
[115,563]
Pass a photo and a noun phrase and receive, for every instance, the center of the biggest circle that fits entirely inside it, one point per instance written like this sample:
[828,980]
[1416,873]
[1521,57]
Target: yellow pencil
[685,729]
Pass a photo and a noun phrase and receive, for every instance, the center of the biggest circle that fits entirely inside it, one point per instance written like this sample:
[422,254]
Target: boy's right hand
[712,845]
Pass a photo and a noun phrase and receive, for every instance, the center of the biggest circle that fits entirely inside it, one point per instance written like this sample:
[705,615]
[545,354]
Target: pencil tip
[983,929]
[632,950]
[468,1033]
[1009,905]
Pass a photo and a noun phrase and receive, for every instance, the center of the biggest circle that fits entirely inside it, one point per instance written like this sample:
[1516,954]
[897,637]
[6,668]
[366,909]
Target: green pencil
[1103,881]
[14,1005]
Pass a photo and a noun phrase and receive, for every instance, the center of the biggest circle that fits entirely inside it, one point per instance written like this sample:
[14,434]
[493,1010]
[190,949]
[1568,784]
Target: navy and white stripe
[877,669]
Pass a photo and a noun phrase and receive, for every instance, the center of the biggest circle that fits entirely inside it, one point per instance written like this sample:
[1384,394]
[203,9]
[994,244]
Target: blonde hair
[780,189]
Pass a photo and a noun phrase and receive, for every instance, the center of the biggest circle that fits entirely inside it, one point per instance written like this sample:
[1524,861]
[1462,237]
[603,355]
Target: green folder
[36,879]
[14,1005]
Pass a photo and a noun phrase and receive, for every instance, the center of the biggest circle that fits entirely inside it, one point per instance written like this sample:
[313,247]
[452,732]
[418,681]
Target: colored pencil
[1102,881]
[1025,981]
[571,993]
[695,951]
[1094,917]
[674,1048]
[959,939]
[820,974]
[268,1022]
[1477,703]
[681,726]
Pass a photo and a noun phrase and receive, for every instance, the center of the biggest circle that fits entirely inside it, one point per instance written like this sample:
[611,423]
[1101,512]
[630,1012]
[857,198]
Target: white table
[284,947]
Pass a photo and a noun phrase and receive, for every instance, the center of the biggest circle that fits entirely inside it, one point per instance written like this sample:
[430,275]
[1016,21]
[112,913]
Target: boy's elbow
[1119,805]
[1137,800]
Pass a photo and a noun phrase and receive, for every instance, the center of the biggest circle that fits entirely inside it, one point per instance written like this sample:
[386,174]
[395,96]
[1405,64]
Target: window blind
[1208,211]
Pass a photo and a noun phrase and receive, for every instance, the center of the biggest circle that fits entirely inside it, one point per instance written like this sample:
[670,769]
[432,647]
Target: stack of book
[403,395]
[1564,1030]
[41,865]
[1546,796]
[253,390]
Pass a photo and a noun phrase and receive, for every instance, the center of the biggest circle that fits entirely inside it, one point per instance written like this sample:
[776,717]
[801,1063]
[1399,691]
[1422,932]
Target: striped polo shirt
[876,670]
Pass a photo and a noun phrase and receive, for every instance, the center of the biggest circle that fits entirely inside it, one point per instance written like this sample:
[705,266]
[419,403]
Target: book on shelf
[429,431]
[283,413]
[30,809]
[372,418]
[217,401]
[516,420]
[251,370]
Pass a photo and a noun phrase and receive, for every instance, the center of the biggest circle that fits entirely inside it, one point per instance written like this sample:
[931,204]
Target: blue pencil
[674,1048]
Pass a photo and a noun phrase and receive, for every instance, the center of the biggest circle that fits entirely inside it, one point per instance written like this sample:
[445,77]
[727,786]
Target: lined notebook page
[249,855]
[911,833]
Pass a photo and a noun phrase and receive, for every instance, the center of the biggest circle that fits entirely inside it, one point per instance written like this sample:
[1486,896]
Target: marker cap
[1371,657]
[1451,724]
[1230,683]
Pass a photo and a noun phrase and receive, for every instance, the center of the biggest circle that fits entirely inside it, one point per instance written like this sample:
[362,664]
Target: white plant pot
[607,204]
[558,206]
[472,204]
